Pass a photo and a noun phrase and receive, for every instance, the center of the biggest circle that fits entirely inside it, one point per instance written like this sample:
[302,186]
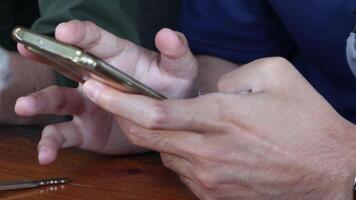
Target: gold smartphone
[79,65]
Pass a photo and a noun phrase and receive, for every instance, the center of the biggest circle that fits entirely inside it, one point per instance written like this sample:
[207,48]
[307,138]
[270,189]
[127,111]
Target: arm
[171,72]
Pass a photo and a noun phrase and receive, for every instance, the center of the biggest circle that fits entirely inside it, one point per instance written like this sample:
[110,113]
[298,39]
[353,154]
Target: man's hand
[171,72]
[267,135]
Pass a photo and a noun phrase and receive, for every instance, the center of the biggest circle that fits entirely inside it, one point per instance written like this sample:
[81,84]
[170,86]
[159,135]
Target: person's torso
[312,34]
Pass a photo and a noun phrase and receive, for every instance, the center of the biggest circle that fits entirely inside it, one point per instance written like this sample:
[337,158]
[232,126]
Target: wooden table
[93,176]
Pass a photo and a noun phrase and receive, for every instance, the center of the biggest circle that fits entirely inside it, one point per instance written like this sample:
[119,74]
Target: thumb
[176,57]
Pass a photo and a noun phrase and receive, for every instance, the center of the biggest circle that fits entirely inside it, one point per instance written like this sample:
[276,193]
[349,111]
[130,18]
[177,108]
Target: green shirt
[116,16]
[14,13]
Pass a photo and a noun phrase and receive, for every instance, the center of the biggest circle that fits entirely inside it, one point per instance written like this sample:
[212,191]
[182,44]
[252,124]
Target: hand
[91,128]
[266,135]
[170,72]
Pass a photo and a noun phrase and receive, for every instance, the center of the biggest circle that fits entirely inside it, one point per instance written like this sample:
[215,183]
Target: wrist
[343,186]
[350,129]
[334,167]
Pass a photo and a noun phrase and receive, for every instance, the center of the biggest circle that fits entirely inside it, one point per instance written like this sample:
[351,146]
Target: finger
[52,100]
[28,54]
[91,38]
[57,136]
[176,57]
[188,115]
[179,165]
[177,143]
[257,76]
[24,52]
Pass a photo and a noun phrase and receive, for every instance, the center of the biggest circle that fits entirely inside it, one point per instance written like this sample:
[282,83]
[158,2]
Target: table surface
[93,176]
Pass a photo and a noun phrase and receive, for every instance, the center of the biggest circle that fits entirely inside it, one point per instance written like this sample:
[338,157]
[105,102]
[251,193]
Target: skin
[93,128]
[264,134]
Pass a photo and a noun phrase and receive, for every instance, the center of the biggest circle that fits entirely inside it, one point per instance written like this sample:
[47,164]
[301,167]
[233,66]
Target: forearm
[211,69]
[27,76]
[332,155]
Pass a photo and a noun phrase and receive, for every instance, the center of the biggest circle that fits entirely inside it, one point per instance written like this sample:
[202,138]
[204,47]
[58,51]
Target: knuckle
[90,23]
[125,45]
[47,142]
[223,85]
[273,65]
[157,116]
[91,26]
[274,69]
[51,137]
[51,133]
[60,105]
[140,137]
[167,161]
[54,87]
[60,101]
[207,181]
[228,81]
[276,61]
[48,130]
[203,157]
[134,135]
[157,141]
[132,130]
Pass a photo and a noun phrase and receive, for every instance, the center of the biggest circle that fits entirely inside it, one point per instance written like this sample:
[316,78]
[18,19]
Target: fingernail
[42,151]
[92,89]
[45,155]
[28,105]
[181,36]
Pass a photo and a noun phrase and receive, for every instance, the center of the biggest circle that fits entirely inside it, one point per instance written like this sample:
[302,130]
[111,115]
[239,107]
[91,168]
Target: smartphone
[78,65]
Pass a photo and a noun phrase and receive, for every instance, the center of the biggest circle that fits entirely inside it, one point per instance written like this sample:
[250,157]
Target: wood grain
[93,176]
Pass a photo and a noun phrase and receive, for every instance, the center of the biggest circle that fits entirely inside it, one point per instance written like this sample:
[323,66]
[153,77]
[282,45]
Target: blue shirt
[311,34]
